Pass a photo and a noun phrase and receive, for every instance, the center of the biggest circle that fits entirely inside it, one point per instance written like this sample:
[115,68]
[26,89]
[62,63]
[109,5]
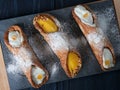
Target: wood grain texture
[4,85]
[117,8]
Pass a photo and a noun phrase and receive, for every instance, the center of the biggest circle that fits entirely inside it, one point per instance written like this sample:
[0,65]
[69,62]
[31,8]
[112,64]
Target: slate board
[107,21]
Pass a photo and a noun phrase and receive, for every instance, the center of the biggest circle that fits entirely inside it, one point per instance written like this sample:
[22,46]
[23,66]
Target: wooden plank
[4,85]
[117,8]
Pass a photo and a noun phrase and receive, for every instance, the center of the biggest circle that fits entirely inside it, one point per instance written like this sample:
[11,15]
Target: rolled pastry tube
[49,28]
[99,43]
[16,42]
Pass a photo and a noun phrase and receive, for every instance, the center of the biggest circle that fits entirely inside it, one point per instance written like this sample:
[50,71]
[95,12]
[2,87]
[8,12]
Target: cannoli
[16,42]
[50,28]
[99,43]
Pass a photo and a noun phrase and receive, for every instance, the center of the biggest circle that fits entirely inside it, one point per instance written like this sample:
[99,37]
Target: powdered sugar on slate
[22,59]
[106,21]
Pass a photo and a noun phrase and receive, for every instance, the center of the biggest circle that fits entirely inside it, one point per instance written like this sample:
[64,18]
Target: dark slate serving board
[107,21]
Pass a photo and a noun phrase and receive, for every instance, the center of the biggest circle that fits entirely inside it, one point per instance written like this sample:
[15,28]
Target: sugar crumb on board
[108,25]
[22,59]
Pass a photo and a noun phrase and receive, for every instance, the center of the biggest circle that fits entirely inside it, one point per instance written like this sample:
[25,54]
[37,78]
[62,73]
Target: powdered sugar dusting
[58,41]
[22,59]
[107,27]
[105,18]
[64,39]
[97,38]
[54,68]
[94,37]
[106,21]
[14,68]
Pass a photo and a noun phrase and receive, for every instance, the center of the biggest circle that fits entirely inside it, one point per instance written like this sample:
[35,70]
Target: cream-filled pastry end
[15,38]
[107,59]
[84,15]
[38,75]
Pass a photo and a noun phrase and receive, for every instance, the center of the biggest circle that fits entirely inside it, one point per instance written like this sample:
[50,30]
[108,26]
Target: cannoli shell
[16,52]
[62,53]
[87,29]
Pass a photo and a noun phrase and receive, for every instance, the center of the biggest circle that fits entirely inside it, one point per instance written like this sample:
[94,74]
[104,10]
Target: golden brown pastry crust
[15,51]
[61,54]
[37,25]
[86,29]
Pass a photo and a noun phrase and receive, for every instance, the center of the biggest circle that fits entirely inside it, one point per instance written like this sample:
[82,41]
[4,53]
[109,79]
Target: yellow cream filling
[85,15]
[39,76]
[73,63]
[107,62]
[14,37]
[47,24]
